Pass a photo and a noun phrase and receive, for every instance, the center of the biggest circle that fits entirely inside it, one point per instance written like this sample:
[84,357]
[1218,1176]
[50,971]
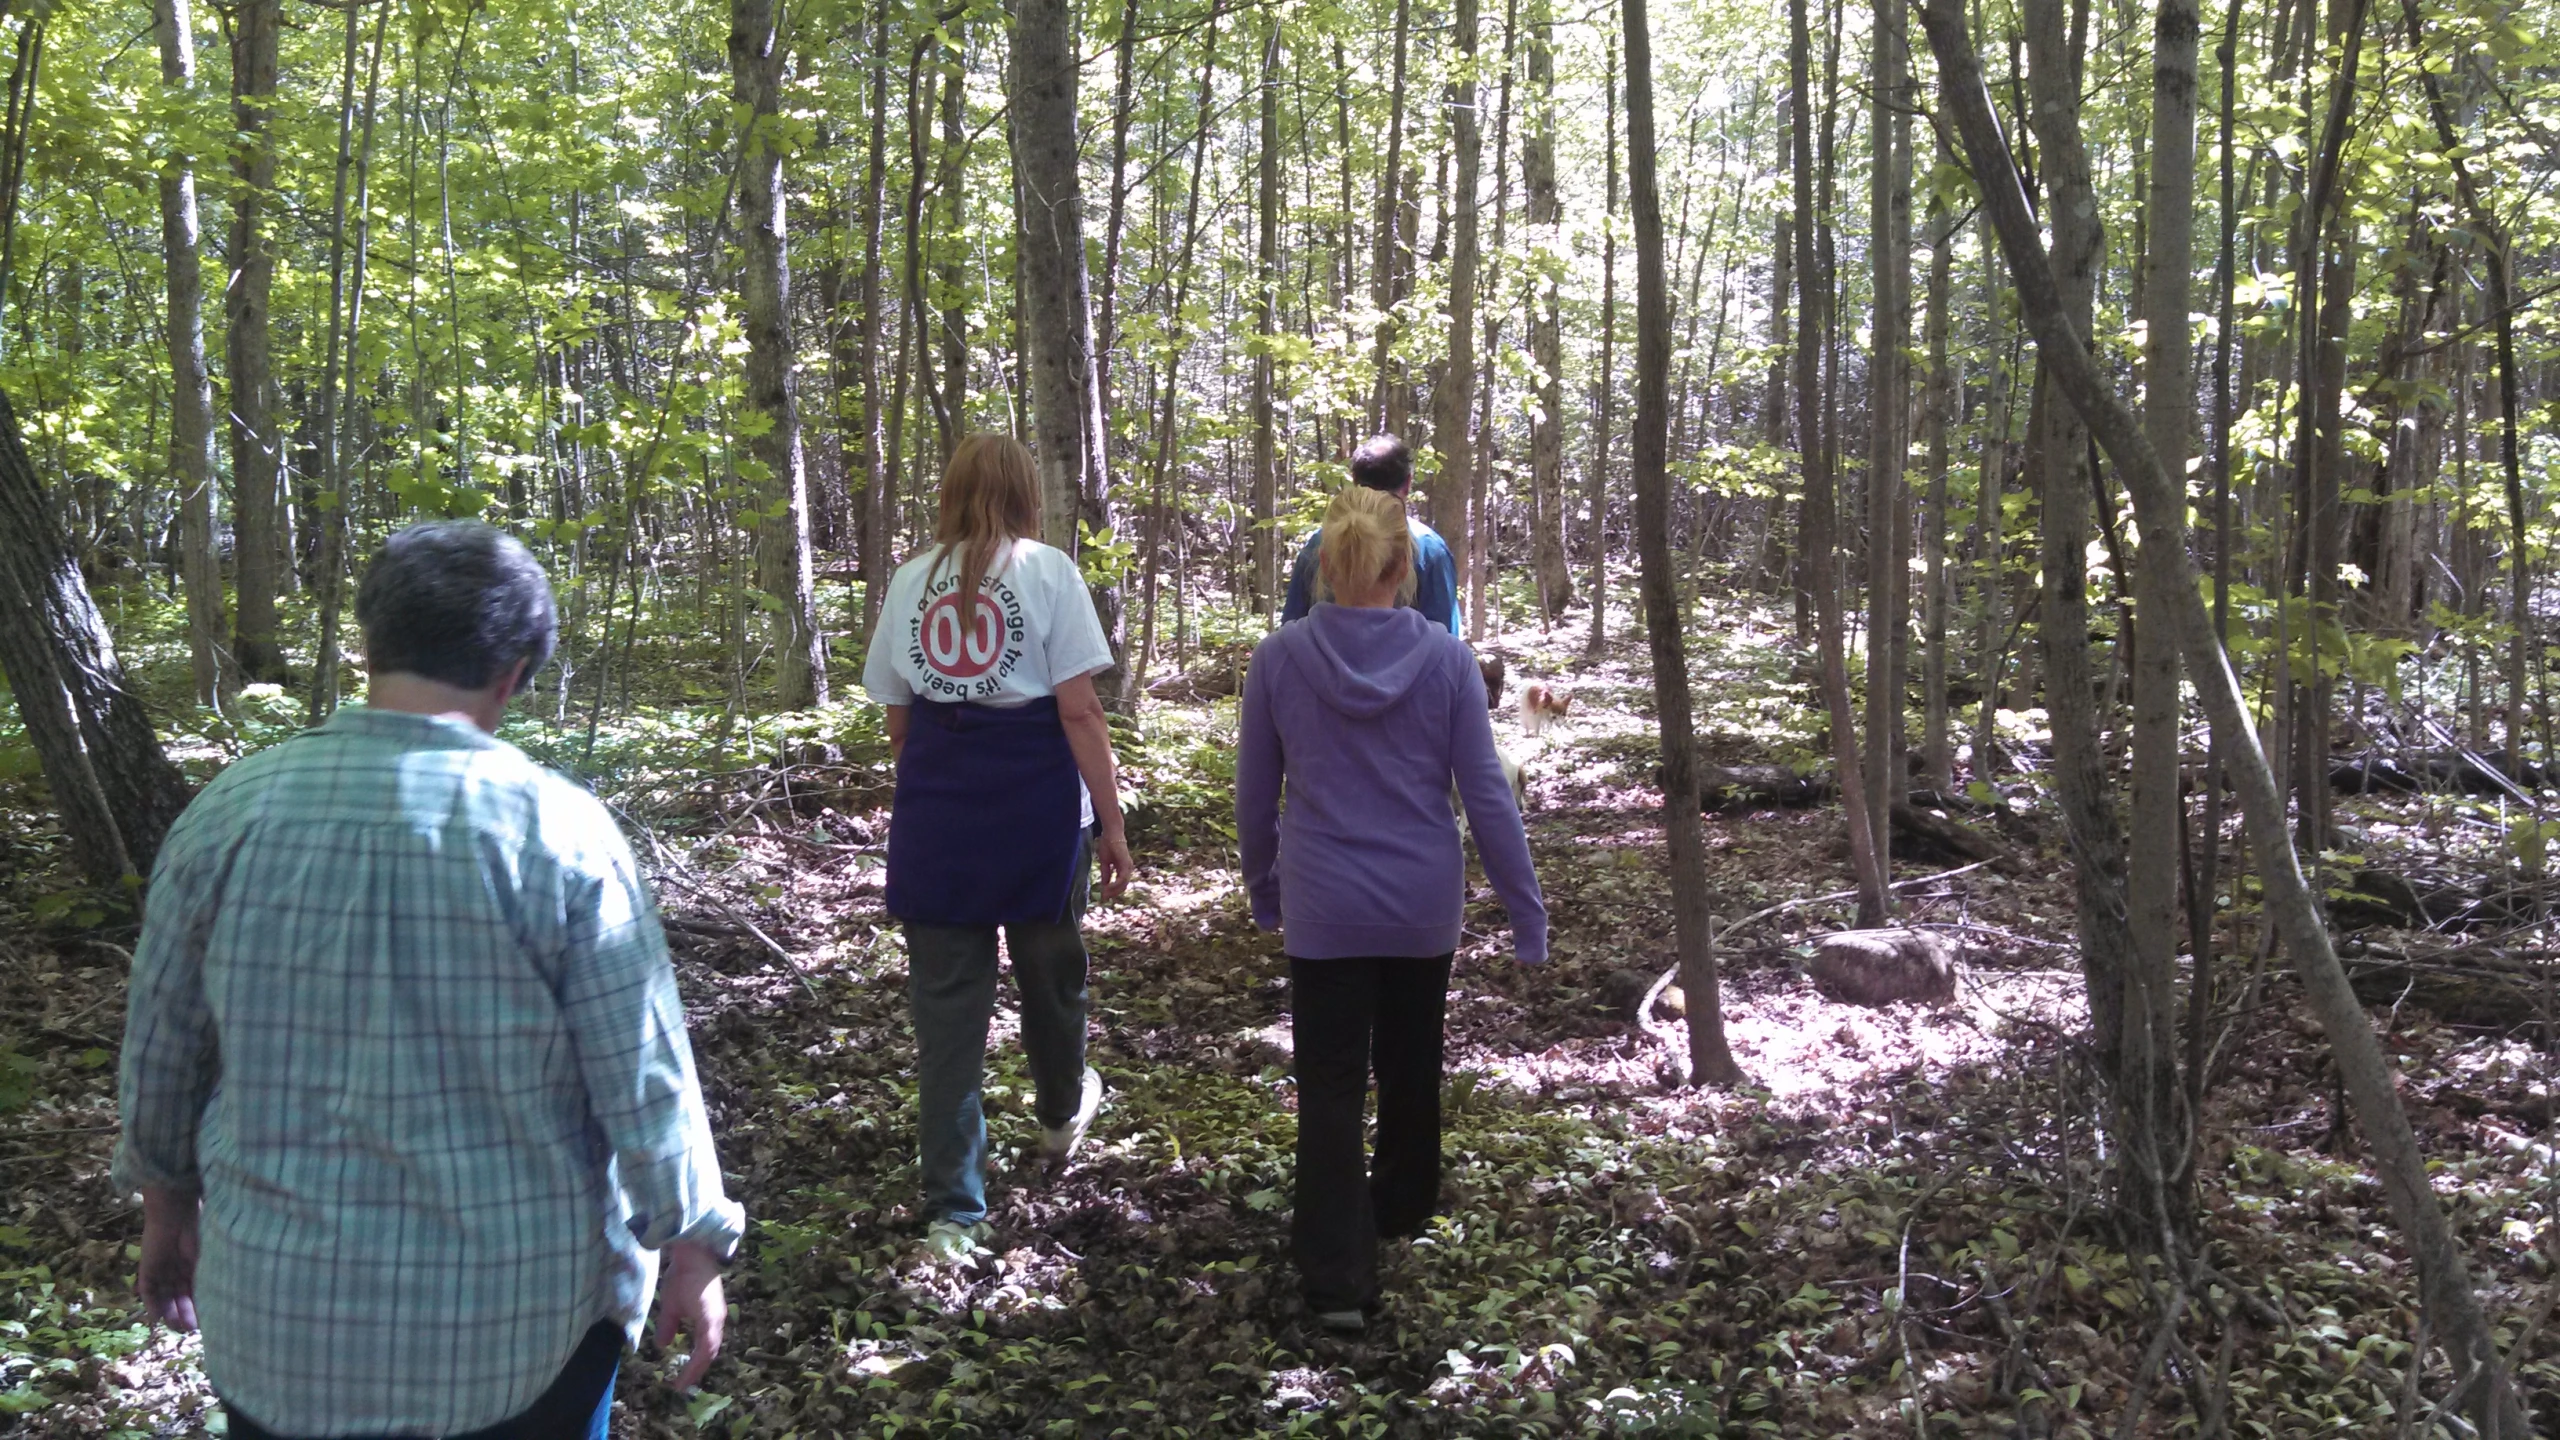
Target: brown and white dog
[1541,707]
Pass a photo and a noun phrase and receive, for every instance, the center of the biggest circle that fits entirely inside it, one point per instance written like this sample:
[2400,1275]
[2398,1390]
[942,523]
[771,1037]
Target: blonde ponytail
[1365,540]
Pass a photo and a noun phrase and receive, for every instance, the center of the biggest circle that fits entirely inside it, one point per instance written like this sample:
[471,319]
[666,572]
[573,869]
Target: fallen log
[2478,987]
[1931,835]
[2466,772]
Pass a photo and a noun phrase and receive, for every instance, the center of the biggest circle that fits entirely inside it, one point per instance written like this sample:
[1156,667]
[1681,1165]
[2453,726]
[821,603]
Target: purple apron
[987,818]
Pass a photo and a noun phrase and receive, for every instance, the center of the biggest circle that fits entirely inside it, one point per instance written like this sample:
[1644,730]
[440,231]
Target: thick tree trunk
[1453,488]
[784,568]
[115,790]
[1820,538]
[1050,209]
[190,384]
[257,449]
[2453,1309]
[1710,1059]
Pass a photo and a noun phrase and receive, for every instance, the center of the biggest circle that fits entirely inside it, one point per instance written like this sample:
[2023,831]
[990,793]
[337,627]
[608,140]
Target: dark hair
[1382,463]
[456,601]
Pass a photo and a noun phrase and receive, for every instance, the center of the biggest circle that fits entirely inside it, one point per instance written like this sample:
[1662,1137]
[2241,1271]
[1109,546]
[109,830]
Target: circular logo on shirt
[962,649]
[966,651]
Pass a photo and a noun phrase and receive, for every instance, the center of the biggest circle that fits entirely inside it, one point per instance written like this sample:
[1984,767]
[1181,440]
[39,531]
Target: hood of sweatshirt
[1361,662]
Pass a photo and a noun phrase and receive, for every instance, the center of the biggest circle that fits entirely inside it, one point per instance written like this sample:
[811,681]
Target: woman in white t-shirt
[1007,791]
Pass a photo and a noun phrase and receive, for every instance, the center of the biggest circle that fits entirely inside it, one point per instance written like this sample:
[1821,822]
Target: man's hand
[1117,868]
[167,1275]
[690,1299]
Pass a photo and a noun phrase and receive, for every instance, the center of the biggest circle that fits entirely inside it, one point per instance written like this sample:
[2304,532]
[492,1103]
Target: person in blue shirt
[1384,463]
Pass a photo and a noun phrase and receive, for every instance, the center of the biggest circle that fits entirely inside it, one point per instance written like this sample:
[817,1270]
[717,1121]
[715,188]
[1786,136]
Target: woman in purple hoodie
[1365,712]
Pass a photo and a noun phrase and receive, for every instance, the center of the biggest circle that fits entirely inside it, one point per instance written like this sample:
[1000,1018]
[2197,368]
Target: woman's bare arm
[1089,736]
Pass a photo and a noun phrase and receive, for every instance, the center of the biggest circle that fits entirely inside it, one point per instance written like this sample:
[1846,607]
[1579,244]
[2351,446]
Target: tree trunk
[2150,1177]
[2060,457]
[1050,207]
[2453,1310]
[784,569]
[1937,417]
[256,447]
[1453,488]
[953,181]
[2495,249]
[190,385]
[1546,328]
[1888,565]
[1710,1060]
[346,317]
[872,525]
[1819,542]
[1605,390]
[1266,293]
[115,790]
[1391,240]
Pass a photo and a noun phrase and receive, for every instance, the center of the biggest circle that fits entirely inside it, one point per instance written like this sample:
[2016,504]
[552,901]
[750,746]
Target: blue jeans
[951,994]
[576,1407]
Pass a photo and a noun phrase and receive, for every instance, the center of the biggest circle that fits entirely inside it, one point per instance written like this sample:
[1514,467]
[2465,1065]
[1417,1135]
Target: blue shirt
[1435,579]
[403,1012]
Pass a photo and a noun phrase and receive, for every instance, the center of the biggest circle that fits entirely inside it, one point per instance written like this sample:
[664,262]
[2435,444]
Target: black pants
[1353,1017]
[576,1406]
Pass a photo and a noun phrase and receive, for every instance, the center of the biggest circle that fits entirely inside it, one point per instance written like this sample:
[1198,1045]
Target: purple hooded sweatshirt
[1369,714]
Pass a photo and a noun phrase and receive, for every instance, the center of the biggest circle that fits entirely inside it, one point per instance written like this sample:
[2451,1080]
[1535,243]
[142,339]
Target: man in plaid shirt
[405,1081]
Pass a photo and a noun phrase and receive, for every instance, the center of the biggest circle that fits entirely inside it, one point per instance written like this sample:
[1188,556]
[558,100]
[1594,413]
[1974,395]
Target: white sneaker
[1057,1142]
[949,1240]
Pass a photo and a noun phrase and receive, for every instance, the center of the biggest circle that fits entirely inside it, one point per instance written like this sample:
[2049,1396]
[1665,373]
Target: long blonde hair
[1365,539]
[990,494]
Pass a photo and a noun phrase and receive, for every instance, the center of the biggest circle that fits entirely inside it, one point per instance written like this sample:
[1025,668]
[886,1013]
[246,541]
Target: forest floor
[1888,1230]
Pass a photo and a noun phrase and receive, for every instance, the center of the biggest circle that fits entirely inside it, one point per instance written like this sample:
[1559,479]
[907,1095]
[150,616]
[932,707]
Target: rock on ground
[1878,967]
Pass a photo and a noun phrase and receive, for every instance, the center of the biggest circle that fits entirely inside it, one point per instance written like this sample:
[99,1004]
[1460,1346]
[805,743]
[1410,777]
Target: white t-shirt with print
[1032,629]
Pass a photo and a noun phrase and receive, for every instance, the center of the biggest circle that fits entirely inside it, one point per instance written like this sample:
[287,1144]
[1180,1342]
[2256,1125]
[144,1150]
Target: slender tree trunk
[2454,1312]
[1124,49]
[256,447]
[2494,248]
[784,568]
[2150,1168]
[1384,412]
[1546,327]
[1168,411]
[1888,566]
[113,787]
[1266,326]
[190,385]
[1050,207]
[2060,457]
[1604,416]
[1710,1060]
[953,182]
[331,513]
[1938,415]
[1813,301]
[872,522]
[1453,489]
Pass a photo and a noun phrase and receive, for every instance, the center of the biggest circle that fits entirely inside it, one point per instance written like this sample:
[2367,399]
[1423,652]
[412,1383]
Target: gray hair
[456,601]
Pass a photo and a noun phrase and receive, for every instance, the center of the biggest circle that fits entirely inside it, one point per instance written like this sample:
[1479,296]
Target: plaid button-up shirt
[403,1012]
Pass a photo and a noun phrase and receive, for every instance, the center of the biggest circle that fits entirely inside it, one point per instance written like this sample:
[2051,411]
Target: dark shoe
[1343,1324]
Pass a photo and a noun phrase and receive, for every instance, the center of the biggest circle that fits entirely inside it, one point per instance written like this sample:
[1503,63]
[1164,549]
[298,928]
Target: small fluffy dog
[1541,707]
